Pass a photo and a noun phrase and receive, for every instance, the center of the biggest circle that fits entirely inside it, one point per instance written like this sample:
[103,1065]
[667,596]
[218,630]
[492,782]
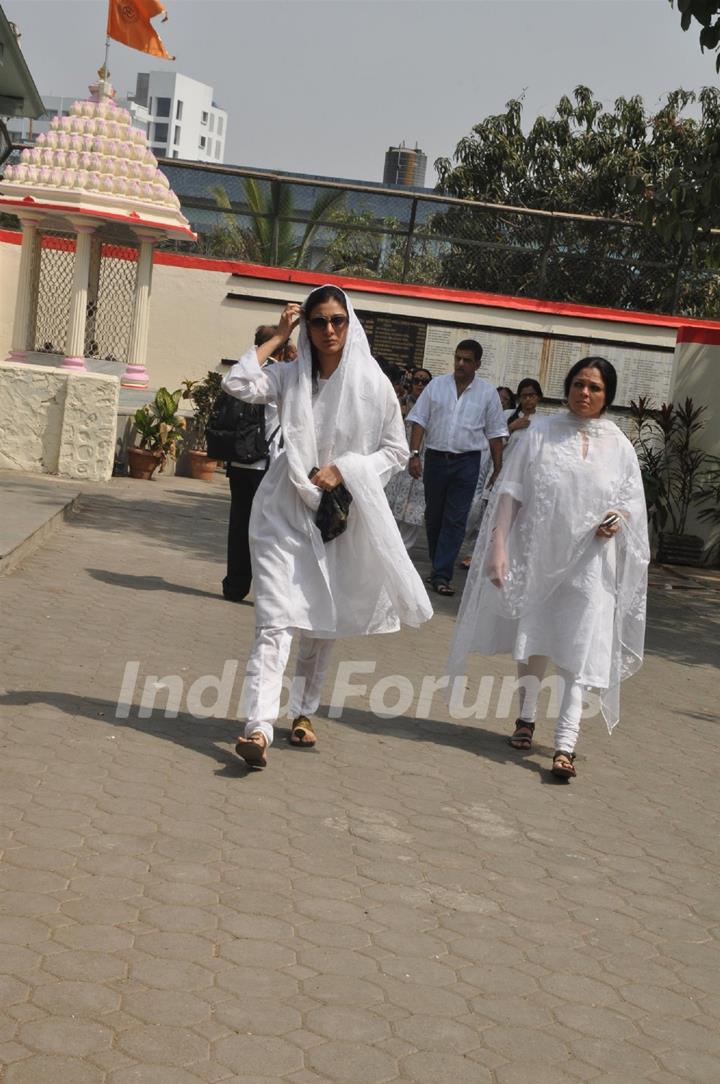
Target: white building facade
[183,119]
[177,113]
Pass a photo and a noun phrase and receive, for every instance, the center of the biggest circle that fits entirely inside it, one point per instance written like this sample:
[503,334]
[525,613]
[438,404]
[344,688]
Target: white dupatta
[363,581]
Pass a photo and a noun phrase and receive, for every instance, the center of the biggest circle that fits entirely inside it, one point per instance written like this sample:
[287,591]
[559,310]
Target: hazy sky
[325,86]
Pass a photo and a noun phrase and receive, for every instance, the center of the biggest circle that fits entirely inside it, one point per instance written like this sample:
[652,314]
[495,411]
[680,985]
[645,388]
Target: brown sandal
[562,765]
[522,736]
[302,734]
[252,752]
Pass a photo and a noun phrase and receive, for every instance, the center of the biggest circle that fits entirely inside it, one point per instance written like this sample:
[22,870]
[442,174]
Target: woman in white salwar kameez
[338,413]
[560,568]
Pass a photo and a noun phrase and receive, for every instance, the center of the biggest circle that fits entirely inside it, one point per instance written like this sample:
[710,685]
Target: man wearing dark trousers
[452,415]
[245,479]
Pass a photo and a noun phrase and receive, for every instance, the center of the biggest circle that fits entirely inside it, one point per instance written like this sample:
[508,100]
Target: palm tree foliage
[278,234]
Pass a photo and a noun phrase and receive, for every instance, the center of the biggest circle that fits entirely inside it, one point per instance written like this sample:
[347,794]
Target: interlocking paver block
[61,1036]
[67,998]
[164,1045]
[356,1063]
[254,1054]
[411,902]
[429,1068]
[50,1068]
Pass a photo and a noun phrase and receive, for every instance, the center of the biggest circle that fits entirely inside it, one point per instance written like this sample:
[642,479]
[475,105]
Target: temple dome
[94,162]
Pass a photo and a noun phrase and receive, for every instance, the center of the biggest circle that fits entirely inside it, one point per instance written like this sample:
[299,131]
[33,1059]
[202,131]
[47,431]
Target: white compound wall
[56,422]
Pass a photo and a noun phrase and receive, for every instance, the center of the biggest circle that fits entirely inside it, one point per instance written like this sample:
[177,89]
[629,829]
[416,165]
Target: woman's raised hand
[289,320]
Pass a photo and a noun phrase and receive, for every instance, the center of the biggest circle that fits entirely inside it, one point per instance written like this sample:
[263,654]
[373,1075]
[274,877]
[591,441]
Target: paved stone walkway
[410,902]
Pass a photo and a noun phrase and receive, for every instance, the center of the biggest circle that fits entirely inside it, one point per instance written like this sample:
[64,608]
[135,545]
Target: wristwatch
[414,453]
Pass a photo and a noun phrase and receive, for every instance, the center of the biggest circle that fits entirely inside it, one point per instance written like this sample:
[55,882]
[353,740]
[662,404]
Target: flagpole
[107,44]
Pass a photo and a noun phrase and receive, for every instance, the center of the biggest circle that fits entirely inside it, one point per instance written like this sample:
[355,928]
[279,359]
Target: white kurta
[569,594]
[362,581]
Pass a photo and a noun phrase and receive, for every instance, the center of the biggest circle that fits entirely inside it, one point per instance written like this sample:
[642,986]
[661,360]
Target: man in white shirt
[244,481]
[455,415]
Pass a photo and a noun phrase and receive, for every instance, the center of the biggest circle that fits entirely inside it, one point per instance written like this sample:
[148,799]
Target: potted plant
[674,473]
[161,429]
[203,395]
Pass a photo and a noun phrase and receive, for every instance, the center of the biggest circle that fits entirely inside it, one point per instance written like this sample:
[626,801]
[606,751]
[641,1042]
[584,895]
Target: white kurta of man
[363,581]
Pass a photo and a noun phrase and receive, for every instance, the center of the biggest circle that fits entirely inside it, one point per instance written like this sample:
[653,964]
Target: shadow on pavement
[487,744]
[209,736]
[684,629]
[206,736]
[176,519]
[153,583]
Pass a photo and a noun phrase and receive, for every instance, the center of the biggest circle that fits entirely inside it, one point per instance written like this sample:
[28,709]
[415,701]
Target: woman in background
[560,568]
[529,396]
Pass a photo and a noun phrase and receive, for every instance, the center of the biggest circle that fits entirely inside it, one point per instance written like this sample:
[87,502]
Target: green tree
[708,15]
[365,246]
[658,171]
[355,248]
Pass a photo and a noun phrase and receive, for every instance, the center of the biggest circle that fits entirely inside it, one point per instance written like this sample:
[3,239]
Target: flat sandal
[521,741]
[563,771]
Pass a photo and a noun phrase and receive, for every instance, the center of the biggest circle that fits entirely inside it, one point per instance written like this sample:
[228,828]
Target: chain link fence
[55,275]
[368,231]
[110,303]
[111,294]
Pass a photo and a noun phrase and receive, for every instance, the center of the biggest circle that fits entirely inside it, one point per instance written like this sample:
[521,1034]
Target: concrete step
[32,506]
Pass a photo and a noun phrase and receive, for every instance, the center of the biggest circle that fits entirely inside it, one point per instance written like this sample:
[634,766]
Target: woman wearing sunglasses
[341,422]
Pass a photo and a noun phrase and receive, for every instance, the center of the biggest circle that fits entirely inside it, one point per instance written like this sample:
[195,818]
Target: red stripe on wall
[430,293]
[707,330]
[708,335]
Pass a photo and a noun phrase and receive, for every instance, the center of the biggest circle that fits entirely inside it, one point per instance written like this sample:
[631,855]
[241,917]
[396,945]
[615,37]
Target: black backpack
[236,431]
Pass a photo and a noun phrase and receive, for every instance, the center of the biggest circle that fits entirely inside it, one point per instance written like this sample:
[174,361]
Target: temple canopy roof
[95,164]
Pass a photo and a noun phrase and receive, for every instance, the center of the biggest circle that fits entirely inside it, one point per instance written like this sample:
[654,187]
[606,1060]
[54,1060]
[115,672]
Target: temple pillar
[29,257]
[136,375]
[75,346]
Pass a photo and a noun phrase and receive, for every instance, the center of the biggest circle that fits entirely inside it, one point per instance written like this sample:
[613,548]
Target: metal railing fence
[420,237]
[406,235]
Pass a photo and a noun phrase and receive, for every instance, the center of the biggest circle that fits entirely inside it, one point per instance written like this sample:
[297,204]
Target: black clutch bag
[332,514]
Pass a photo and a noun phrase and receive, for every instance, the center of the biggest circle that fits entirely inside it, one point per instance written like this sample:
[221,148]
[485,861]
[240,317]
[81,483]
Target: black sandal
[519,740]
[563,771]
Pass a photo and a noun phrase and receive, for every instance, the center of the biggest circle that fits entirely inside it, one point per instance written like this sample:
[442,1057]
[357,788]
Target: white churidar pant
[264,678]
[567,726]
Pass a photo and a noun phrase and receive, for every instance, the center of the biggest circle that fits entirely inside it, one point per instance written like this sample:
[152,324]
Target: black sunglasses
[338,321]
[419,380]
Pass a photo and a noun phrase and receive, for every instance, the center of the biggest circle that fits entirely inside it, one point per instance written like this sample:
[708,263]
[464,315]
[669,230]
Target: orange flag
[129,22]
